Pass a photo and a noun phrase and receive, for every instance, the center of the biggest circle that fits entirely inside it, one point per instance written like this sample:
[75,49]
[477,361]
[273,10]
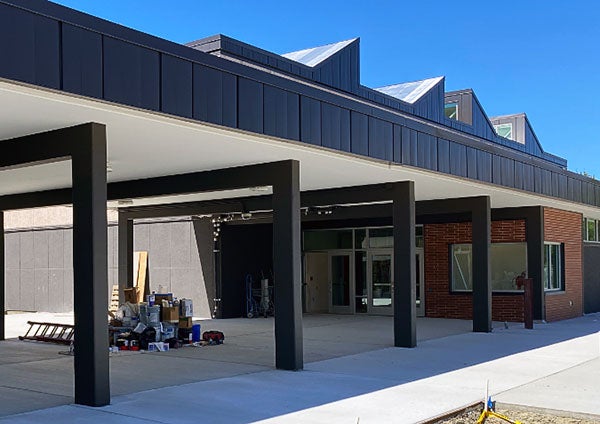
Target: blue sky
[541,57]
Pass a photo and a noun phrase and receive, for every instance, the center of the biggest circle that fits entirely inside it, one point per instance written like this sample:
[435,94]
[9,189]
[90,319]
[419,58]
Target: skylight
[410,92]
[314,56]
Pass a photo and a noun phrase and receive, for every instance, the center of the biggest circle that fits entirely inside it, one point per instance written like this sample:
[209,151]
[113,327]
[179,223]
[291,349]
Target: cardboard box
[158,347]
[159,297]
[131,294]
[170,314]
[185,322]
[187,308]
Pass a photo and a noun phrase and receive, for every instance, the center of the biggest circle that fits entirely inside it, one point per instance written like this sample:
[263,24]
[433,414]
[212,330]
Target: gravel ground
[524,415]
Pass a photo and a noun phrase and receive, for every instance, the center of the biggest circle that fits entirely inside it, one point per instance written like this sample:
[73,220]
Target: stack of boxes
[171,318]
[186,311]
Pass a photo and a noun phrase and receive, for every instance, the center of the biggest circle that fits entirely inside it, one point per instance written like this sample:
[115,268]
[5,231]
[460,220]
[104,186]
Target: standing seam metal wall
[44,51]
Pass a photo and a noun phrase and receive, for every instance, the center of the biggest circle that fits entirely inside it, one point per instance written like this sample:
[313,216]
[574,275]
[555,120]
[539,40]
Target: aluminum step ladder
[49,332]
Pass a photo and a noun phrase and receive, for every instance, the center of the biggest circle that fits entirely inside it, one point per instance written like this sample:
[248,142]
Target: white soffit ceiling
[144,144]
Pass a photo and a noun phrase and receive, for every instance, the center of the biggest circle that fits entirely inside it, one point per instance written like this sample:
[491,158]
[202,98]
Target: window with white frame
[505,130]
[507,261]
[590,230]
[451,110]
[553,267]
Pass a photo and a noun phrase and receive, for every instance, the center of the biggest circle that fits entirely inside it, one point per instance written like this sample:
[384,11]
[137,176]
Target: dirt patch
[524,415]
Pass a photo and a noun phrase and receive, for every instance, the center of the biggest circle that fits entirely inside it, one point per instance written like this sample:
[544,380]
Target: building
[403,200]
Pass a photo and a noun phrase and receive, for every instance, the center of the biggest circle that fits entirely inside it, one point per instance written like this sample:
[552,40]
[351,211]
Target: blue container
[196,332]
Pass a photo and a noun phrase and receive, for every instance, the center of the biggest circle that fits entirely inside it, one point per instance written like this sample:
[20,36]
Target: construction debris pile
[160,323]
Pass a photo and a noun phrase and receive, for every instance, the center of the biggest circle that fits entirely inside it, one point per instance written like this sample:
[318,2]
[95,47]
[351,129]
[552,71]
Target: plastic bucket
[196,332]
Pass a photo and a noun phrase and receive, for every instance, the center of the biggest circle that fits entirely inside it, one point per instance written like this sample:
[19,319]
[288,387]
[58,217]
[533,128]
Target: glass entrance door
[381,287]
[341,283]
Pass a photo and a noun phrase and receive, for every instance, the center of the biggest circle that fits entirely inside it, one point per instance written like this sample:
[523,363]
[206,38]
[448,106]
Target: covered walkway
[369,383]
[36,376]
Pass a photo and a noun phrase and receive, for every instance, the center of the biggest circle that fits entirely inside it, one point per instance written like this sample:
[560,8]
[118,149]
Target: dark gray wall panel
[547,182]
[340,70]
[47,52]
[509,172]
[345,130]
[409,146]
[359,133]
[215,96]
[471,163]
[496,170]
[81,61]
[426,151]
[310,118]
[458,159]
[528,177]
[381,139]
[397,143]
[503,171]
[591,195]
[282,113]
[29,47]
[532,143]
[131,74]
[484,166]
[554,183]
[336,127]
[176,86]
[519,175]
[431,104]
[443,155]
[591,278]
[250,105]
[574,188]
[562,186]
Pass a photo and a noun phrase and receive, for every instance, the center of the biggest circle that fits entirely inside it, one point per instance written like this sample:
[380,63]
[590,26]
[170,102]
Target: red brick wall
[565,227]
[439,301]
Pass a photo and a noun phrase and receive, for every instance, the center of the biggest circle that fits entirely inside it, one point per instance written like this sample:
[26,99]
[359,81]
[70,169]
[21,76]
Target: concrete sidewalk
[386,385]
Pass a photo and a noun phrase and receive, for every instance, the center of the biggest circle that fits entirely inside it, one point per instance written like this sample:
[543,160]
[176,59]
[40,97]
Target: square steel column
[125,254]
[405,278]
[482,281]
[90,267]
[2,279]
[286,267]
[534,228]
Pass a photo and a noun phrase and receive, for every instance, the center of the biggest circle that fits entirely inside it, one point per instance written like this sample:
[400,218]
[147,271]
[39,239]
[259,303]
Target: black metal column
[534,225]
[405,311]
[90,267]
[482,281]
[125,254]
[2,279]
[286,267]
